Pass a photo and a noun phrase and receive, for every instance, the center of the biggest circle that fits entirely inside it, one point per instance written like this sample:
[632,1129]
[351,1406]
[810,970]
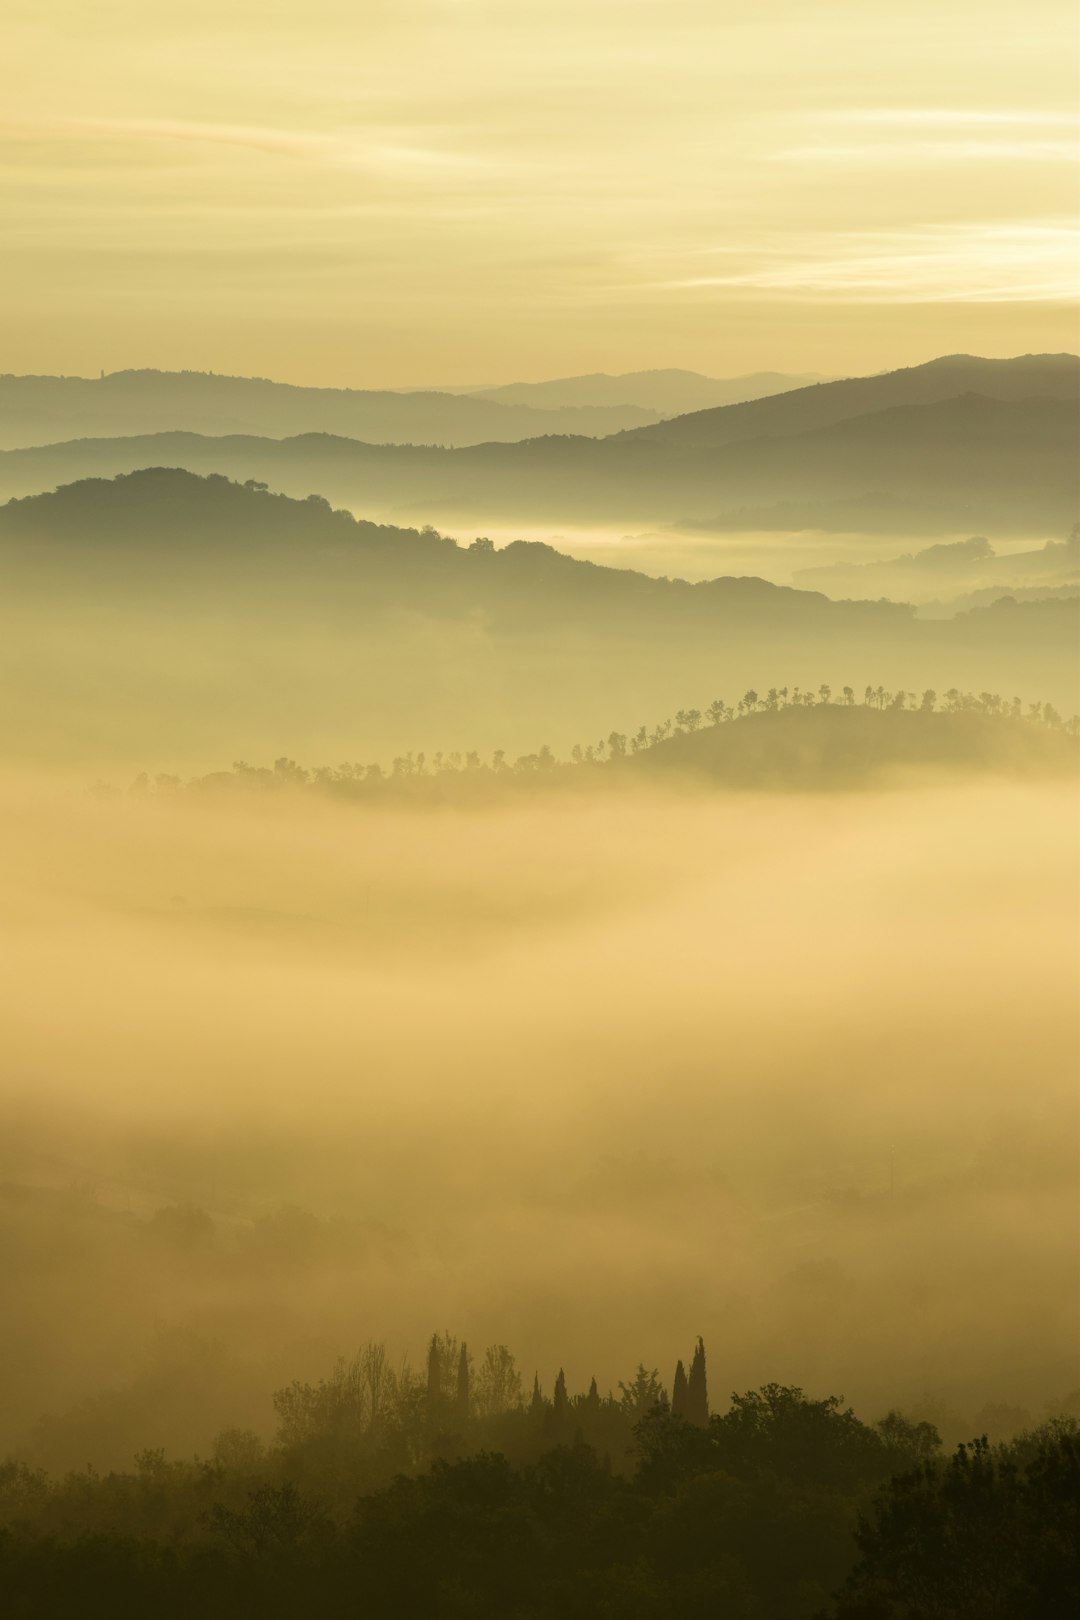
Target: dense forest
[454,1491]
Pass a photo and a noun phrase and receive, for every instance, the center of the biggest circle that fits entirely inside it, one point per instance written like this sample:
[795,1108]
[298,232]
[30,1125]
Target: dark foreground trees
[749,1516]
[994,1534]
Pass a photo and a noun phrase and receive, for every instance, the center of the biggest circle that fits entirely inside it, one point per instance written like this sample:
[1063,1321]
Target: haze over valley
[539,765]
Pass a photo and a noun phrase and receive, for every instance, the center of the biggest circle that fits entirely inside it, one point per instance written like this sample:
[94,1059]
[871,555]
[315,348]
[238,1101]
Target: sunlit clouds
[433,192]
[997,263]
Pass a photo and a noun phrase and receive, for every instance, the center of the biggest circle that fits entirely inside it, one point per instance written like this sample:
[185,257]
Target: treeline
[452,1492]
[357,778]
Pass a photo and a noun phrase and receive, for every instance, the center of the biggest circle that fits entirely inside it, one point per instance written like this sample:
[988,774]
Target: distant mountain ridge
[222,616]
[910,454]
[36,410]
[43,409]
[669,392]
[1029,376]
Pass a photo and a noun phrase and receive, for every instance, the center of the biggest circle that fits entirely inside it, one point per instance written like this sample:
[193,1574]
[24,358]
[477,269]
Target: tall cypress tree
[434,1378]
[560,1402]
[592,1399]
[679,1397]
[697,1389]
[463,1384]
[536,1405]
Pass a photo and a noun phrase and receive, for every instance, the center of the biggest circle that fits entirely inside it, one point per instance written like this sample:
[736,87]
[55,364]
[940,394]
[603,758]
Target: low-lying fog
[589,1077]
[784,557]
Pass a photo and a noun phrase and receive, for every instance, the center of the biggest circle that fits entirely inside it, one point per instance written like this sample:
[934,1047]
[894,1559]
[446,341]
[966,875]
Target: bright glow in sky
[420,191]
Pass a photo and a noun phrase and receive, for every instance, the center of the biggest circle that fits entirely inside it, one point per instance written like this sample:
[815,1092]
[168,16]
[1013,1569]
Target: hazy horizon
[423,194]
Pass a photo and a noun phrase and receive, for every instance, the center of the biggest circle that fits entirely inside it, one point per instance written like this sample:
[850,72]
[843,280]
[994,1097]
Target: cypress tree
[463,1384]
[592,1399]
[679,1398]
[697,1390]
[536,1405]
[434,1377]
[560,1403]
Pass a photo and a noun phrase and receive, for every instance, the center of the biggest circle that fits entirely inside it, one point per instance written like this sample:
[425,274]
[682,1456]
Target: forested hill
[840,744]
[776,742]
[173,522]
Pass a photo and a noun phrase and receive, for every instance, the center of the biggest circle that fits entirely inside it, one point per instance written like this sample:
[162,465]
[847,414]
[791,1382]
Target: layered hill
[175,527]
[670,392]
[169,620]
[801,410]
[38,410]
[997,462]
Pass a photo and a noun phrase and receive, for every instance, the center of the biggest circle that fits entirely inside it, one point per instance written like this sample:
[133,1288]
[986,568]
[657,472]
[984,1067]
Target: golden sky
[399,192]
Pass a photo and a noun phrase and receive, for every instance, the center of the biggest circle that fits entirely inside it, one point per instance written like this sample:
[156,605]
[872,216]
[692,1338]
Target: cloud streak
[997,262]
[348,150]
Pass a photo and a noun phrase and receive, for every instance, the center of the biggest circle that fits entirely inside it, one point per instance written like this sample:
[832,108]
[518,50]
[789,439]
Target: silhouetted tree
[642,1394]
[697,1390]
[434,1379]
[560,1404]
[680,1402]
[497,1385]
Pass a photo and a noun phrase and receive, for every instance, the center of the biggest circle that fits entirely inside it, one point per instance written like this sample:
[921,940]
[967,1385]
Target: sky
[420,192]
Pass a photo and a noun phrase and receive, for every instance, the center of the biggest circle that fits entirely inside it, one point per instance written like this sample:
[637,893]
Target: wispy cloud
[255,137]
[935,135]
[964,117]
[992,263]
[939,151]
[376,151]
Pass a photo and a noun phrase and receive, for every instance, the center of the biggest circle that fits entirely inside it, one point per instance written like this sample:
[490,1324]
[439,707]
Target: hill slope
[1029,376]
[822,746]
[832,745]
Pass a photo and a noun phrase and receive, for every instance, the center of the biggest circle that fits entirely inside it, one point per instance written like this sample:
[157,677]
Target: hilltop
[777,743]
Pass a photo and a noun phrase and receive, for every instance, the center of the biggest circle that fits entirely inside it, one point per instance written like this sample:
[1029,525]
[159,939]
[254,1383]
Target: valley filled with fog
[539,811]
[286,1075]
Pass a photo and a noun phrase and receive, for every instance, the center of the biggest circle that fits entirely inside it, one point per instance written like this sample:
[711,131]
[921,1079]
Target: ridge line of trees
[621,745]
